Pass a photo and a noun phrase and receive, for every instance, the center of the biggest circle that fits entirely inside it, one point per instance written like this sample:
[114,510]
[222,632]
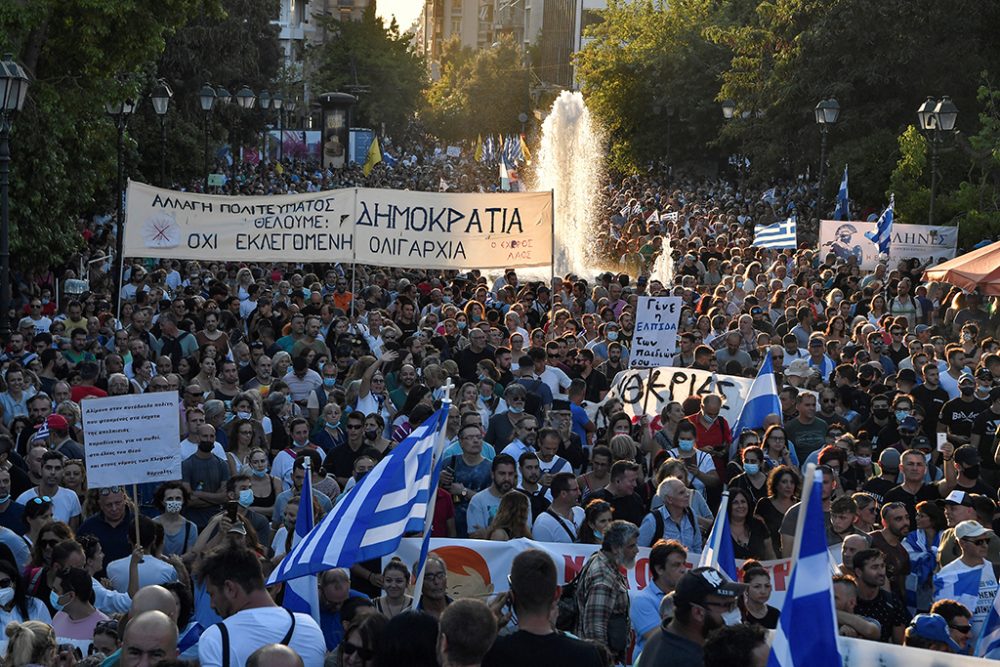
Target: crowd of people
[888,383]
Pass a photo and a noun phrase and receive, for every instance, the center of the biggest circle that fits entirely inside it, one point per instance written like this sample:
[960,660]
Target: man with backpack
[673,521]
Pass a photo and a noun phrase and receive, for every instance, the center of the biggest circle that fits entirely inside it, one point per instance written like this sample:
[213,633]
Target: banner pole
[118,286]
[135,499]
[552,257]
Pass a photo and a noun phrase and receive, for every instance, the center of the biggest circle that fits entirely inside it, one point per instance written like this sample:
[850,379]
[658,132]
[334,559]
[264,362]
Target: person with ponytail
[30,644]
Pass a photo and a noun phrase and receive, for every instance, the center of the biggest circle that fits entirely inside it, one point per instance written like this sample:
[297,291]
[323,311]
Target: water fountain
[570,163]
[663,266]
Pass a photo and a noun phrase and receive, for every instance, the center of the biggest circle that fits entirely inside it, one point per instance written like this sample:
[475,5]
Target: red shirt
[83,391]
[714,439]
[444,509]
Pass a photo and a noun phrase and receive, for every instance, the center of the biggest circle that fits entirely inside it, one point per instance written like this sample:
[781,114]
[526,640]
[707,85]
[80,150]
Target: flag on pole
[988,645]
[842,212]
[778,235]
[810,591]
[504,176]
[374,157]
[525,153]
[370,521]
[770,196]
[489,153]
[443,185]
[882,236]
[718,552]
[302,594]
[761,401]
[477,155]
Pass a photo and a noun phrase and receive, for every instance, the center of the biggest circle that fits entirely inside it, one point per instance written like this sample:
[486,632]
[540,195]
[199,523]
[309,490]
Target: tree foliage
[479,92]
[371,54]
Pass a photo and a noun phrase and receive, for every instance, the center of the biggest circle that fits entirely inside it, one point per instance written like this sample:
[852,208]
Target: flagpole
[807,488]
[432,492]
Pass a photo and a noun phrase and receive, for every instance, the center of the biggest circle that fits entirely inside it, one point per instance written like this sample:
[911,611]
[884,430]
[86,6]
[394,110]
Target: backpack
[567,608]
[658,518]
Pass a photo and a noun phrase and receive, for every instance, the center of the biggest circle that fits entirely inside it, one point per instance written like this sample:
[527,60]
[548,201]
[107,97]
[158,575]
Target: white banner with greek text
[647,391]
[923,242]
[132,439]
[654,340]
[398,228]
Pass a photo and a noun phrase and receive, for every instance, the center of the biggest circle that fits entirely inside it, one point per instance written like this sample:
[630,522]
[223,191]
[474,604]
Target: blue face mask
[329,383]
[259,473]
[246,497]
[598,535]
[54,601]
[901,415]
[515,410]
[685,445]
[751,468]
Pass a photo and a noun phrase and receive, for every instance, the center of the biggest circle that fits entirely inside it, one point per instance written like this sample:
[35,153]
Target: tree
[79,56]
[372,55]
[480,92]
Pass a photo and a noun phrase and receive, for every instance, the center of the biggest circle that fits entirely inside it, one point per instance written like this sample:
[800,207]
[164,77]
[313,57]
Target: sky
[406,11]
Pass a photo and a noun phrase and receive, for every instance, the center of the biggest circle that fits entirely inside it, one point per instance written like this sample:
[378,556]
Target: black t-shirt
[597,382]
[340,461]
[770,620]
[878,487]
[888,609]
[666,648]
[627,508]
[958,415]
[985,427]
[931,400]
[901,495]
[467,361]
[553,650]
[538,502]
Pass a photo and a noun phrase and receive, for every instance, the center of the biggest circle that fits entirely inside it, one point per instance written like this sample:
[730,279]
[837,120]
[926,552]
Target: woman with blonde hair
[29,643]
[512,519]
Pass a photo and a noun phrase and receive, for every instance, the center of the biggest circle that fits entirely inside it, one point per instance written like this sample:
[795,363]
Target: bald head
[274,655]
[149,638]
[154,598]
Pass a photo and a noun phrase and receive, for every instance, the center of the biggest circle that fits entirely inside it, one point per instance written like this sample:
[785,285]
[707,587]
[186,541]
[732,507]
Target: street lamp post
[13,90]
[729,113]
[278,102]
[120,112]
[223,97]
[207,97]
[937,120]
[161,102]
[827,112]
[265,103]
[246,99]
[289,106]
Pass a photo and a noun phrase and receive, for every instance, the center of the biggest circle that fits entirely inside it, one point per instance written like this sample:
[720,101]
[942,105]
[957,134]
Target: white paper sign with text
[654,341]
[132,439]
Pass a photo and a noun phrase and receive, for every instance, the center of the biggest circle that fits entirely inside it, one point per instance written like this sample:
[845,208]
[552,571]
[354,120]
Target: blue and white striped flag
[810,592]
[770,196]
[370,521]
[842,212]
[988,645]
[923,561]
[961,585]
[761,401]
[778,235]
[718,552]
[882,236]
[302,594]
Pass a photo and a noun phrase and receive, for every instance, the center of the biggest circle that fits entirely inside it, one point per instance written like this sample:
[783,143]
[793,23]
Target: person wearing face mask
[179,534]
[700,464]
[968,466]
[15,603]
[704,600]
[959,414]
[72,596]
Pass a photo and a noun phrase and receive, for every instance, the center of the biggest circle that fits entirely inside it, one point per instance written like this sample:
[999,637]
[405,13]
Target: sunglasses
[40,500]
[354,427]
[980,543]
[964,629]
[111,489]
[363,653]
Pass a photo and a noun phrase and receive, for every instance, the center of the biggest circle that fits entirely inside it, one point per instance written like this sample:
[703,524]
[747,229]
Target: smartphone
[231,507]
[942,440]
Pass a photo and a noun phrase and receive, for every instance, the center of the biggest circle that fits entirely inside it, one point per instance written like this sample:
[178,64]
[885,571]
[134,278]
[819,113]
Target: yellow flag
[478,155]
[374,157]
[524,150]
[279,169]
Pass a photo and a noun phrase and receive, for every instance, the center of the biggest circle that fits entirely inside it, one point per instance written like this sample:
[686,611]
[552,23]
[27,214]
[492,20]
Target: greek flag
[959,585]
[370,521]
[770,196]
[988,645]
[718,552]
[778,235]
[302,594]
[810,592]
[882,236]
[842,212]
[762,400]
[923,561]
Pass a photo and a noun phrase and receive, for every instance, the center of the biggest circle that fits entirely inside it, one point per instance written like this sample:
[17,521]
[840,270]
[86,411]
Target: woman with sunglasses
[15,603]
[37,513]
[361,640]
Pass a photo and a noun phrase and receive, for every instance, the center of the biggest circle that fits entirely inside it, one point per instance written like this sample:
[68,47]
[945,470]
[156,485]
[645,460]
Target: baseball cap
[921,442]
[967,529]
[889,458]
[967,455]
[799,368]
[908,424]
[906,375]
[25,322]
[933,627]
[57,421]
[921,328]
[962,498]
[984,374]
[966,379]
[701,582]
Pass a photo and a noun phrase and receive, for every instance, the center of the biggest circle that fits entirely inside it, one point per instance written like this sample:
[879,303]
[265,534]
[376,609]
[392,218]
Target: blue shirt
[687,533]
[644,612]
[331,625]
[11,517]
[580,420]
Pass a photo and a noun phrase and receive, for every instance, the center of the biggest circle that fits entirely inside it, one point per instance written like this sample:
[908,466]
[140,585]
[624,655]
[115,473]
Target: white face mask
[734,617]
[173,506]
[6,595]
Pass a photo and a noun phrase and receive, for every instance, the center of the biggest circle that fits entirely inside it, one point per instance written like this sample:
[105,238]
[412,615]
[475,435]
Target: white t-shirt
[65,504]
[557,381]
[152,571]
[252,628]
[548,528]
